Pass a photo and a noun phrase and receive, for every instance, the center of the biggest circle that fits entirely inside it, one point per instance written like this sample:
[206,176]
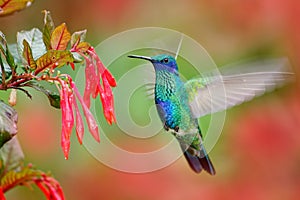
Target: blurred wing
[219,92]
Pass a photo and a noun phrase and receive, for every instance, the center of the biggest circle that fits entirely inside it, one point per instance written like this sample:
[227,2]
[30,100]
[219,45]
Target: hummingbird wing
[227,87]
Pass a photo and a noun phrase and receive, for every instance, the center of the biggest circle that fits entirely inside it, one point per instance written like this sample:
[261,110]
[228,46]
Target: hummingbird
[179,104]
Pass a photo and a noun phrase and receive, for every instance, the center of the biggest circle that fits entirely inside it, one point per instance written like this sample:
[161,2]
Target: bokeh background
[258,153]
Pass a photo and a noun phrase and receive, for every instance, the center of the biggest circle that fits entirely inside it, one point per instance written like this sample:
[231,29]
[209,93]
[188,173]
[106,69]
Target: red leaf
[27,54]
[60,37]
[82,47]
[53,59]
[11,6]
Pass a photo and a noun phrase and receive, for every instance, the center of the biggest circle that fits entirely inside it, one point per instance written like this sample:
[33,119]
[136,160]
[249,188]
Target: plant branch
[23,90]
[3,73]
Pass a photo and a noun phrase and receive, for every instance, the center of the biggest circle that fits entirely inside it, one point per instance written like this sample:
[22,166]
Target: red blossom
[26,176]
[90,80]
[67,116]
[69,95]
[50,187]
[95,71]
[2,197]
[98,82]
[96,68]
[79,122]
[93,127]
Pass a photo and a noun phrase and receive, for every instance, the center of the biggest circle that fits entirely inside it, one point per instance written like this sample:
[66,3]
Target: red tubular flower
[95,72]
[79,122]
[2,197]
[104,90]
[66,103]
[111,80]
[65,143]
[68,94]
[50,187]
[107,101]
[93,127]
[90,83]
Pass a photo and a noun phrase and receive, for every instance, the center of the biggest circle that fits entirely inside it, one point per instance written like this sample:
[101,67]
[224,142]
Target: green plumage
[180,104]
[173,108]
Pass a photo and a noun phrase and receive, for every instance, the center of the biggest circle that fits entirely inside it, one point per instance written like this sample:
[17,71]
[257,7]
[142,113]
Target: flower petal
[111,80]
[107,102]
[67,117]
[90,80]
[79,122]
[65,143]
[2,197]
[93,127]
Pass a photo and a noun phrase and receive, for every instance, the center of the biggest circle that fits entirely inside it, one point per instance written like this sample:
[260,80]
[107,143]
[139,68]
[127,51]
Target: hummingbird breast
[171,105]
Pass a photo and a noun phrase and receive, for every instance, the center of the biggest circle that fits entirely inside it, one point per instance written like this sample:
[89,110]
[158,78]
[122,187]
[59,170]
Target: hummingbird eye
[165,60]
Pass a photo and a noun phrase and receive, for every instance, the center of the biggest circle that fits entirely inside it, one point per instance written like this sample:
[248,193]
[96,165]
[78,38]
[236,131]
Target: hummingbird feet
[166,127]
[176,129]
[173,131]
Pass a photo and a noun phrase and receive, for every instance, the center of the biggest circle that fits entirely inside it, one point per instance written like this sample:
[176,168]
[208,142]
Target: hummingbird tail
[197,163]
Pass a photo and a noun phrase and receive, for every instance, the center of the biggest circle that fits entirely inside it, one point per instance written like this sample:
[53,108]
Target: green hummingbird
[180,104]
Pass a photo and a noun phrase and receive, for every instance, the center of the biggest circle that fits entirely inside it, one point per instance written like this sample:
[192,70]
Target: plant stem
[3,74]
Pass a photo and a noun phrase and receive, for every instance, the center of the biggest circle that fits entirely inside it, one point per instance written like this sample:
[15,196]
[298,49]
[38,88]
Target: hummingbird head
[161,62]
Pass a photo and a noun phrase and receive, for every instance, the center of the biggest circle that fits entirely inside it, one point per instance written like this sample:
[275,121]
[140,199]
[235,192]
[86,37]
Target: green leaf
[2,42]
[54,100]
[60,37]
[82,47]
[8,123]
[11,6]
[27,55]
[53,97]
[78,36]
[12,155]
[54,58]
[77,57]
[3,63]
[13,48]
[34,37]
[10,59]
[5,51]
[48,29]
[7,70]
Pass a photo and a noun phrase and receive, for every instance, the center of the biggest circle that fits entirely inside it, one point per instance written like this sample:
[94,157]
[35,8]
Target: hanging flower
[58,47]
[95,72]
[52,48]
[2,197]
[69,95]
[27,175]
[50,187]
[98,81]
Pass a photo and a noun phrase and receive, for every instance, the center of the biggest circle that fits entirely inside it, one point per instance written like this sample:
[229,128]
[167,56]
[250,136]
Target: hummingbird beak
[141,57]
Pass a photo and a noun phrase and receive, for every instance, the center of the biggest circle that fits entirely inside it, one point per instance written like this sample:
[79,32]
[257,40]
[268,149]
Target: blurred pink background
[258,154]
